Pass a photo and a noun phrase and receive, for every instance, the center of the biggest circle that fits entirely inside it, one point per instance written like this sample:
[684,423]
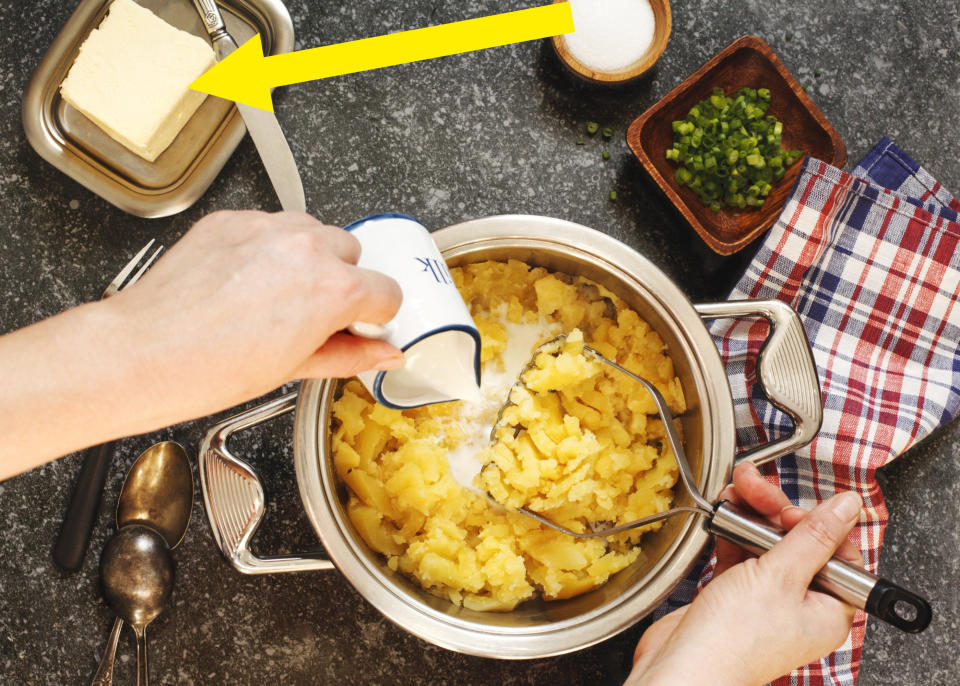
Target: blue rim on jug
[381,215]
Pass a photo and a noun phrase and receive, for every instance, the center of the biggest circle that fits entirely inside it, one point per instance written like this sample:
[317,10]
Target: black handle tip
[68,554]
[897,606]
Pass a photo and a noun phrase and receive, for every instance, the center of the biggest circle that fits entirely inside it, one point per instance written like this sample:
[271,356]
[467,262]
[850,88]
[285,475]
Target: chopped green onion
[613,195]
[580,142]
[592,127]
[728,149]
[607,132]
[606,154]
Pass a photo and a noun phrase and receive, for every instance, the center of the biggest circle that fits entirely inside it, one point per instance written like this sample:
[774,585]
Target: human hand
[247,301]
[243,303]
[757,618]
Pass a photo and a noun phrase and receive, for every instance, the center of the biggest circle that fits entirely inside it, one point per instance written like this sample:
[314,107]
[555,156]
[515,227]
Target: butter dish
[180,175]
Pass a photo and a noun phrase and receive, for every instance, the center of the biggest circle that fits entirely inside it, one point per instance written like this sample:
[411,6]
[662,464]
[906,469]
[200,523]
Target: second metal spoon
[158,493]
[137,574]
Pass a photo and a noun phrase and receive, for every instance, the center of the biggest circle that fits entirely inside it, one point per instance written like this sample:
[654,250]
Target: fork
[71,545]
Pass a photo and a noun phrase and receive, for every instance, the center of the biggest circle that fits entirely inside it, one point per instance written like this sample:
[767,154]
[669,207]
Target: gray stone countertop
[461,137]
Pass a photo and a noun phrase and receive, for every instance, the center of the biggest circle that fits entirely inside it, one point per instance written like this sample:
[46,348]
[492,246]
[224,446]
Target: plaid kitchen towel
[890,167]
[875,275]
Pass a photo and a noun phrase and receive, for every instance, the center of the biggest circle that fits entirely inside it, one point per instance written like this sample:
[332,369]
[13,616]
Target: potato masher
[851,584]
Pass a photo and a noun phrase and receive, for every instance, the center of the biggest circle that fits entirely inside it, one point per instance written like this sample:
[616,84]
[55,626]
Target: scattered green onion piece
[607,132]
[613,195]
[592,127]
[606,154]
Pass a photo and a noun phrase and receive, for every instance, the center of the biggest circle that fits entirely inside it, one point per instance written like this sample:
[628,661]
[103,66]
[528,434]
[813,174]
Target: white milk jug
[440,342]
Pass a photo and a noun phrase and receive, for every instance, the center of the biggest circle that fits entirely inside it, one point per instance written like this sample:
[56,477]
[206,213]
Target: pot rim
[318,487]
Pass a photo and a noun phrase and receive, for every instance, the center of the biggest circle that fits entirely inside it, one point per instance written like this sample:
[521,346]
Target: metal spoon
[157,493]
[136,569]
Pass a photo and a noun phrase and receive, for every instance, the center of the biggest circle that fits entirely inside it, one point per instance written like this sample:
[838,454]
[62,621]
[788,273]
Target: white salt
[610,35]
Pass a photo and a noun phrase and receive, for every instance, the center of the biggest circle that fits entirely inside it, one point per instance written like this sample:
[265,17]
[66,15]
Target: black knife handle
[71,545]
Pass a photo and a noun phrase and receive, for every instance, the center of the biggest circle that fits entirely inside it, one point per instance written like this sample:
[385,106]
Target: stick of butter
[131,76]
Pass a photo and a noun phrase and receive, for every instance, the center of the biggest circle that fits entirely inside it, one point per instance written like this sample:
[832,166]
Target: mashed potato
[588,448]
[576,446]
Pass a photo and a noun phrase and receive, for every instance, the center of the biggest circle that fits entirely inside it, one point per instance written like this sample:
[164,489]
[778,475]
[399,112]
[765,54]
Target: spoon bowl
[136,570]
[158,492]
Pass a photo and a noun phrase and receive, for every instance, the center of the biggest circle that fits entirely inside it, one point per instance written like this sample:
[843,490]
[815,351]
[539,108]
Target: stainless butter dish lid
[180,175]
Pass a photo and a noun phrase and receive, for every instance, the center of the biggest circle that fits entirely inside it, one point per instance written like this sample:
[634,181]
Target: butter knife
[263,126]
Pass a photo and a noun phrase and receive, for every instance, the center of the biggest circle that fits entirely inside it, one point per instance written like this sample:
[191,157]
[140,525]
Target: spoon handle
[143,677]
[104,675]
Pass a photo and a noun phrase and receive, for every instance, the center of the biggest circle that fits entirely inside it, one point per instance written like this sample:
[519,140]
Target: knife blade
[263,127]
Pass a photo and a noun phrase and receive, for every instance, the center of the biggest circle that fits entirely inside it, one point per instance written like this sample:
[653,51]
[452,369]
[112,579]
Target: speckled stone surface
[453,139]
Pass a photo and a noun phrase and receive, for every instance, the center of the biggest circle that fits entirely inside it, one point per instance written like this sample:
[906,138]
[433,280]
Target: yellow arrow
[246,76]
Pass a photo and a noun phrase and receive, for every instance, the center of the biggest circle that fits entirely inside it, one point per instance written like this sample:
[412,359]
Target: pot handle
[852,584]
[785,370]
[233,495]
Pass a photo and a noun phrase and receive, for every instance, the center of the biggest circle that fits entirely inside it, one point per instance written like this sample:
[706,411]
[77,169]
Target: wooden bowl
[747,62]
[663,22]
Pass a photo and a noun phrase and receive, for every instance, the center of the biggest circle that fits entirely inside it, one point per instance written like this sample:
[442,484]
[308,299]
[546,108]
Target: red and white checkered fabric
[875,277]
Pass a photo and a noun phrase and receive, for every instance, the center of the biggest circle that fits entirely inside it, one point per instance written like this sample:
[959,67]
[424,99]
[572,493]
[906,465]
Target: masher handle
[854,585]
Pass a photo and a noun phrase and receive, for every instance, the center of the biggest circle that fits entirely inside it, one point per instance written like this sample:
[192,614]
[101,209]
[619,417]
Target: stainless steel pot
[234,497]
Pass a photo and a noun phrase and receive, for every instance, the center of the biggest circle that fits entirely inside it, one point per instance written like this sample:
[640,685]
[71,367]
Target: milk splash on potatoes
[476,417]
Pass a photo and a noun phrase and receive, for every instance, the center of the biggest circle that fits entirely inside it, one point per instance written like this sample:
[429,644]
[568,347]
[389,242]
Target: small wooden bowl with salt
[614,41]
